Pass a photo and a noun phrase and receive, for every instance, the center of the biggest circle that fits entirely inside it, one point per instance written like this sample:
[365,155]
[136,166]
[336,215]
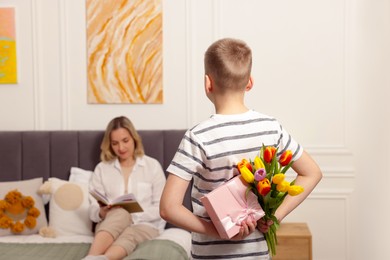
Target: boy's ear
[249,86]
[208,86]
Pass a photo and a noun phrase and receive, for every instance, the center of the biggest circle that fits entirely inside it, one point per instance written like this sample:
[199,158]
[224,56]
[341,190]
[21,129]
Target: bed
[32,160]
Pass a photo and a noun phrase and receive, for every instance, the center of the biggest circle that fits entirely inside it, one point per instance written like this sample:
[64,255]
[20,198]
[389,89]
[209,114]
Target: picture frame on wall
[124,52]
[8,61]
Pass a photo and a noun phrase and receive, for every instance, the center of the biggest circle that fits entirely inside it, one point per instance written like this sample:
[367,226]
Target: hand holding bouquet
[266,178]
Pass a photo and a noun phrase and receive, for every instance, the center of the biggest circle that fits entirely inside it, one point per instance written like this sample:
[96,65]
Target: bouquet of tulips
[266,178]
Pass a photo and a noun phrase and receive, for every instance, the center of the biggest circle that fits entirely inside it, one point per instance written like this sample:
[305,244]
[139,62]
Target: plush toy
[47,232]
[45,191]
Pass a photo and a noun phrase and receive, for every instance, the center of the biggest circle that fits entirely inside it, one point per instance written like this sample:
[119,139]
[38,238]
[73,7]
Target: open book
[127,201]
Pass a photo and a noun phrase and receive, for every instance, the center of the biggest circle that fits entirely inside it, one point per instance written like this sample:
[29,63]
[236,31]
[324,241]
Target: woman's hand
[103,210]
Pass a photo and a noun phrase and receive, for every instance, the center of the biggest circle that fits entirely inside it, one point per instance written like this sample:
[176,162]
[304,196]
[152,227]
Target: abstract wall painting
[8,64]
[124,52]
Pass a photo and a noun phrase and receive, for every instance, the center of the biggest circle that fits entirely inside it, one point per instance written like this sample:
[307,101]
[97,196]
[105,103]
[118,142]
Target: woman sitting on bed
[124,168]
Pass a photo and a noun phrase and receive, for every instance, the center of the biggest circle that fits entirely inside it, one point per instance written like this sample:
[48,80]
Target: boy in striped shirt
[209,152]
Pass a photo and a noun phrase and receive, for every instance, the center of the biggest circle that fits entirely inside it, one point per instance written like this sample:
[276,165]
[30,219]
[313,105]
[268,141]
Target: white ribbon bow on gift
[250,208]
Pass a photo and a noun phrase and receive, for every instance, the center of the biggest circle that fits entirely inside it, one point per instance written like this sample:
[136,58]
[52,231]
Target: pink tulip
[260,174]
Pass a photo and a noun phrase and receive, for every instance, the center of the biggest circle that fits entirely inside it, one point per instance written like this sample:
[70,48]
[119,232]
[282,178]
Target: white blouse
[146,182]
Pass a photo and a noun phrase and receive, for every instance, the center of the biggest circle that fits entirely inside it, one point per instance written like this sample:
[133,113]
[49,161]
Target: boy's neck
[230,106]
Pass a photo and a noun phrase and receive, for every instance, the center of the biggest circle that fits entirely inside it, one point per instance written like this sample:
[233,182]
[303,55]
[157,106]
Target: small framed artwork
[124,52]
[8,62]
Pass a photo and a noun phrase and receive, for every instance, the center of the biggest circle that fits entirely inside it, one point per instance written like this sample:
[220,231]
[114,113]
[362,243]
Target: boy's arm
[173,211]
[308,176]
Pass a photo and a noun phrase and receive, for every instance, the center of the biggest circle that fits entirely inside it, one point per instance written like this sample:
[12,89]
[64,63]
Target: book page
[127,201]
[124,198]
[99,197]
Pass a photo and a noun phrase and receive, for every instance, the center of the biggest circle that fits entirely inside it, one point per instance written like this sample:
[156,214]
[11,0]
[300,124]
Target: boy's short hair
[228,62]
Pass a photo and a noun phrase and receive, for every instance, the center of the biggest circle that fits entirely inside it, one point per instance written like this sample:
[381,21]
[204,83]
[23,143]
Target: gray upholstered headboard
[31,154]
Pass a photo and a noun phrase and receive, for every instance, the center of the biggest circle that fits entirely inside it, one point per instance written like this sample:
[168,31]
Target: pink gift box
[229,205]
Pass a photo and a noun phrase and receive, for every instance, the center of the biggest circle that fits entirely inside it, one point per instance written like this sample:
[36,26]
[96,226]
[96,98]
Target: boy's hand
[263,226]
[246,229]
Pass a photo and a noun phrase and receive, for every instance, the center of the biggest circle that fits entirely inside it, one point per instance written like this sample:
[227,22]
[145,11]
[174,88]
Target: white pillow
[26,188]
[68,208]
[79,175]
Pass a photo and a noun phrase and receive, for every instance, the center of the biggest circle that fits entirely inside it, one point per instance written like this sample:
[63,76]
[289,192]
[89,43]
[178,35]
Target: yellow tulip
[278,178]
[246,173]
[258,163]
[283,186]
[294,190]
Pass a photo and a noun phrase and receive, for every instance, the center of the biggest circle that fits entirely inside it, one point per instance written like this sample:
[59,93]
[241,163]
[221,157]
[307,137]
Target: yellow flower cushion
[21,207]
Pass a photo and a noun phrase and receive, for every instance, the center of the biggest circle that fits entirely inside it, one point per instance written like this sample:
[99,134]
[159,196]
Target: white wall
[321,67]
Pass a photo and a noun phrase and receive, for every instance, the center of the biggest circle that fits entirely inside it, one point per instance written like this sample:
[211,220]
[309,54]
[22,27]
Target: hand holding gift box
[231,204]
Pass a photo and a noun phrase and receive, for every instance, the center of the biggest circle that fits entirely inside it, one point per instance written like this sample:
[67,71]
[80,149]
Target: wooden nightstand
[294,242]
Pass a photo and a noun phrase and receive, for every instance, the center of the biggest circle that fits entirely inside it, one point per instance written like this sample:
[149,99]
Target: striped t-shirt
[209,153]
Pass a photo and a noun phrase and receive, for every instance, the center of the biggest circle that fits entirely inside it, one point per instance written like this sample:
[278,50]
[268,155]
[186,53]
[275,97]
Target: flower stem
[271,239]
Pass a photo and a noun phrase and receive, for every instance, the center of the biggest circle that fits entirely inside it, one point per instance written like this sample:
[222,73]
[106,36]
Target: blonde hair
[228,62]
[107,154]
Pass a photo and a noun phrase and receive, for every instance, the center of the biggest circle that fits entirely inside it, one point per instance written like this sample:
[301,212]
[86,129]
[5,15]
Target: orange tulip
[269,153]
[285,158]
[247,164]
[263,186]
[244,162]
